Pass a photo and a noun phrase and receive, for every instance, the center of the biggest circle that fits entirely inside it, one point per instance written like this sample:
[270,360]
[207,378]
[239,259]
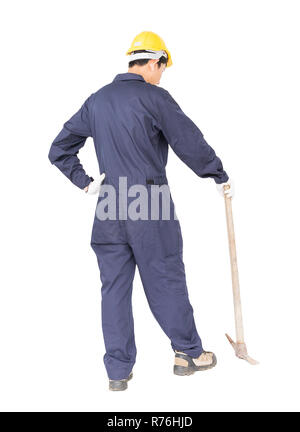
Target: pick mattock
[239,346]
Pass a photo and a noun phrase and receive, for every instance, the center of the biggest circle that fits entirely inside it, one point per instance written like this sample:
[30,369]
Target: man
[132,122]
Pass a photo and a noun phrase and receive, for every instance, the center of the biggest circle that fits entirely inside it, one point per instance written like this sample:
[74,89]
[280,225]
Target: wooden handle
[234,270]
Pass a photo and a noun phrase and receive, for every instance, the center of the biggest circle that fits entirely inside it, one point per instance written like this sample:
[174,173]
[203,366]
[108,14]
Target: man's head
[149,56]
[151,69]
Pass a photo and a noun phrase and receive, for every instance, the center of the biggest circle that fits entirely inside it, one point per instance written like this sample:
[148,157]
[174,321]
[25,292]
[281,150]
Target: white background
[236,74]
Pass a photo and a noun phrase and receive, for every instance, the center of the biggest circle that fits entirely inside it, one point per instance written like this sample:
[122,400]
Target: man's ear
[152,63]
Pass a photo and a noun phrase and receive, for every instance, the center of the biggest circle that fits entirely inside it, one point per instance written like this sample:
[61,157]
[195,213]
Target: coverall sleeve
[188,142]
[65,147]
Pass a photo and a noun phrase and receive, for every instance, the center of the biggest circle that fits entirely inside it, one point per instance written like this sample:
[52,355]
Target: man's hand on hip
[94,187]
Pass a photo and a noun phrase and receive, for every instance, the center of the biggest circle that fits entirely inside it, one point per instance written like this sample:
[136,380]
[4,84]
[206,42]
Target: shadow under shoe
[120,385]
[186,365]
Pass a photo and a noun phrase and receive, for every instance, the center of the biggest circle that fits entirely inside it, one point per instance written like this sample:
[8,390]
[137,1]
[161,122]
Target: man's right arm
[187,140]
[65,147]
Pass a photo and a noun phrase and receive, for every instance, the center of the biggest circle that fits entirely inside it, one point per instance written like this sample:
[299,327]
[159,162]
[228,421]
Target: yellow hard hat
[149,41]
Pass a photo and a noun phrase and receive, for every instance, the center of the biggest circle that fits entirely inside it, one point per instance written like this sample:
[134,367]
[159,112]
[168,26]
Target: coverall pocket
[170,237]
[106,231]
[170,233]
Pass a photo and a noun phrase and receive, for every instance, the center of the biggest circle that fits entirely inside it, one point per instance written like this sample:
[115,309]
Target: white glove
[229,192]
[94,187]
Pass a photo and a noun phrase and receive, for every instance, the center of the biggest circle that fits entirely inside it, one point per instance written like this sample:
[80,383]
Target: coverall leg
[157,247]
[117,268]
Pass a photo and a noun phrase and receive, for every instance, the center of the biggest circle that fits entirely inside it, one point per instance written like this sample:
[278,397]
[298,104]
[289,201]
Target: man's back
[124,119]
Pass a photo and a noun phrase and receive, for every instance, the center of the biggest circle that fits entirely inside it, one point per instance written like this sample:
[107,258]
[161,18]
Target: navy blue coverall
[132,123]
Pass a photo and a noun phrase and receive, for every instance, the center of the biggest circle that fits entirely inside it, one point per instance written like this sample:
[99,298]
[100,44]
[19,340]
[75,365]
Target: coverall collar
[129,76]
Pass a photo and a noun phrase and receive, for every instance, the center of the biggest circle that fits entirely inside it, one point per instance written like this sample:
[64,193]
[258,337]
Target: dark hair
[142,62]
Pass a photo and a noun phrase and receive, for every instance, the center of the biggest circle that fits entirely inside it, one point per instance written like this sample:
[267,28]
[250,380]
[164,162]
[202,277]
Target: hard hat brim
[169,63]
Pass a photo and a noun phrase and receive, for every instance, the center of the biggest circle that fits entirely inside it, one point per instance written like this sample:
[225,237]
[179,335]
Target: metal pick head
[240,350]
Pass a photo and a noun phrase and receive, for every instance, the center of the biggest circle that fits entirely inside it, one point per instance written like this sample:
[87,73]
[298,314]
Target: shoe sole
[188,370]
[120,385]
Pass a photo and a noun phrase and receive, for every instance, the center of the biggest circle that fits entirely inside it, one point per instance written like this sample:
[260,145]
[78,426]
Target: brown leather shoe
[186,365]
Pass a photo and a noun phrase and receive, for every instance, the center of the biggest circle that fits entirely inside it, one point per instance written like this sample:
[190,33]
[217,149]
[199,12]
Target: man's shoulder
[159,91]
[102,90]
[163,96]
[157,94]
[99,94]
